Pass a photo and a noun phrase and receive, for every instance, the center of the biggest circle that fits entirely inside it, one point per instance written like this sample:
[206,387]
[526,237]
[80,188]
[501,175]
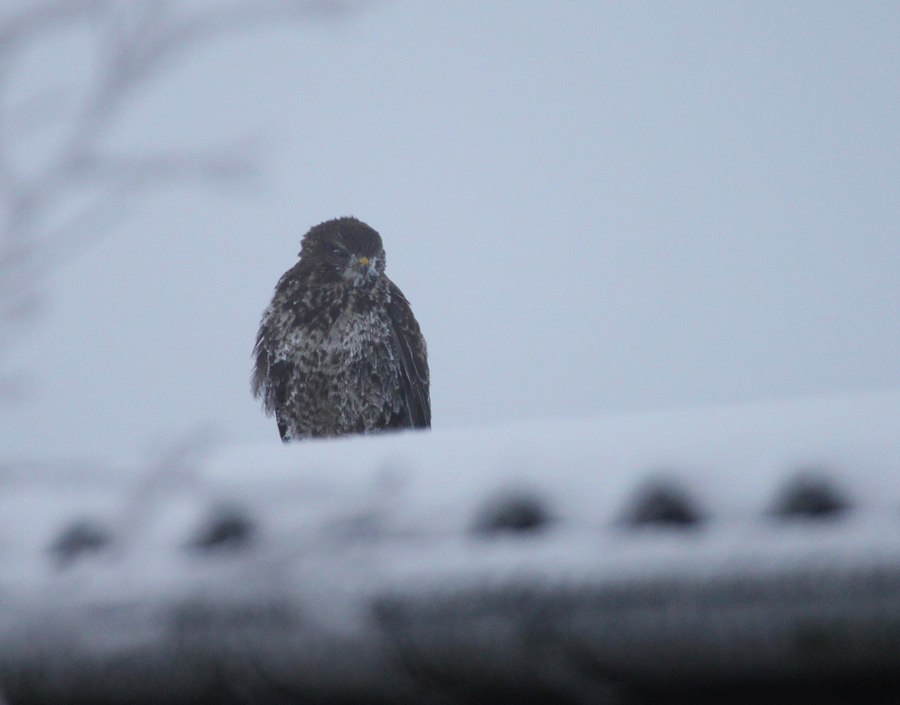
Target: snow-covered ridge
[569,558]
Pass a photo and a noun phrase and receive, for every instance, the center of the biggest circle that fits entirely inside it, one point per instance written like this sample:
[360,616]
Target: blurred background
[593,207]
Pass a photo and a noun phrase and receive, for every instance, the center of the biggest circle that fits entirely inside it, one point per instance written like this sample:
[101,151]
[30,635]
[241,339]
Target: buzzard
[339,350]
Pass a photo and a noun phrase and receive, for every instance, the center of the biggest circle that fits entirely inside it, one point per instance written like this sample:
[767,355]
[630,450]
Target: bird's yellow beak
[363,260]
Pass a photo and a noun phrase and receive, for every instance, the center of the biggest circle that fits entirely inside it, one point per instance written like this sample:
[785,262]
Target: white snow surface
[347,558]
[732,460]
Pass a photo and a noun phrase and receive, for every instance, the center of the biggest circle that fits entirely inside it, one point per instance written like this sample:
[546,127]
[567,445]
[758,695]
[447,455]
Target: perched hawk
[339,350]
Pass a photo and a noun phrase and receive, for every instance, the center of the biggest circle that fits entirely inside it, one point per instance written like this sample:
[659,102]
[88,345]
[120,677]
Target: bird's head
[345,248]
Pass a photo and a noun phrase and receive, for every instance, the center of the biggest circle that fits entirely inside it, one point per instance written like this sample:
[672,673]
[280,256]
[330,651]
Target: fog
[592,208]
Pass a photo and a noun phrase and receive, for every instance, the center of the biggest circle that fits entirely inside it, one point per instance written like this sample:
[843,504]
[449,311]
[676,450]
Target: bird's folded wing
[409,348]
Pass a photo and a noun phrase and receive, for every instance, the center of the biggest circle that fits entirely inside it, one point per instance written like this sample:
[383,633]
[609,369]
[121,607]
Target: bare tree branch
[137,40]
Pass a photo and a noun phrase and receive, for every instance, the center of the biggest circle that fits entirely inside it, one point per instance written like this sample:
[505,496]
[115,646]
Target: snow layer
[570,559]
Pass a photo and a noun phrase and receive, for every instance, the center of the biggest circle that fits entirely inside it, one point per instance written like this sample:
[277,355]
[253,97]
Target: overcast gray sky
[593,207]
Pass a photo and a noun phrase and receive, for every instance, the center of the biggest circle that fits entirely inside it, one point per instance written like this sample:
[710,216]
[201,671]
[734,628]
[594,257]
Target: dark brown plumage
[339,350]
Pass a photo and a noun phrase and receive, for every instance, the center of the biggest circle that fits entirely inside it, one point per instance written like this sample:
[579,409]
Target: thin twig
[138,41]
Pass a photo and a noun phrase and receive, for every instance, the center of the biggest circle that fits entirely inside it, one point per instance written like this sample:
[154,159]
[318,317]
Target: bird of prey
[339,350]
